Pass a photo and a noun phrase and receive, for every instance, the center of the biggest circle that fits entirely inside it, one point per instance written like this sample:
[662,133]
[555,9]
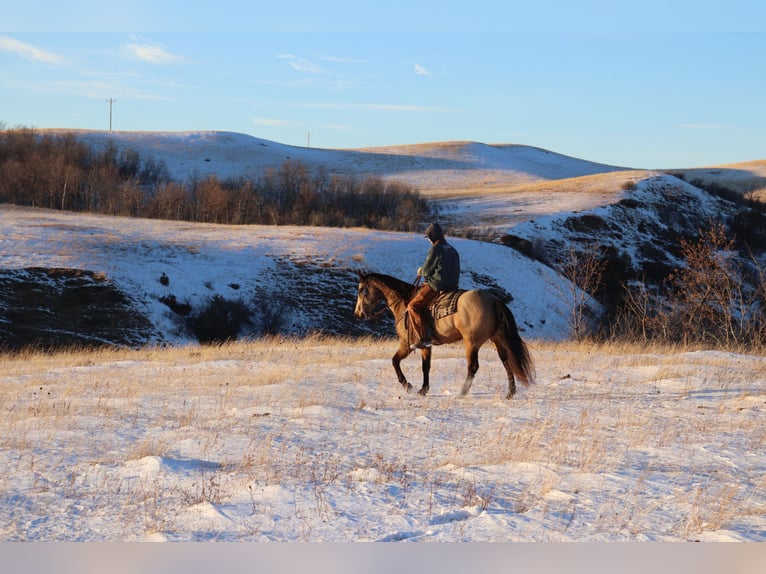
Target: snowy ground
[314,441]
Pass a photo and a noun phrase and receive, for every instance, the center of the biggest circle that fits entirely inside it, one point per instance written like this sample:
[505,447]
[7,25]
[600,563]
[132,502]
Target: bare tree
[584,271]
[708,300]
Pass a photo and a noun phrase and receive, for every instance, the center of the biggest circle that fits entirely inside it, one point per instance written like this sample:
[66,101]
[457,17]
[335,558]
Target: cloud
[152,53]
[342,60]
[420,70]
[29,52]
[301,64]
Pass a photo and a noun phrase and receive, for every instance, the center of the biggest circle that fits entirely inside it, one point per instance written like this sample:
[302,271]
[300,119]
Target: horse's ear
[362,274]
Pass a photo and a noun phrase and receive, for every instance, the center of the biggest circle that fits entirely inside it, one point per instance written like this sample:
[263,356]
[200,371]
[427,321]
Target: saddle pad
[445,303]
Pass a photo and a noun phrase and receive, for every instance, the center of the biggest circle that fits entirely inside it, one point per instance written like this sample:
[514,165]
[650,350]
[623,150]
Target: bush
[269,310]
[708,299]
[713,299]
[220,321]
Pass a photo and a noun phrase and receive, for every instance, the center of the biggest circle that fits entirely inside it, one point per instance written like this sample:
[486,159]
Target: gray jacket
[441,269]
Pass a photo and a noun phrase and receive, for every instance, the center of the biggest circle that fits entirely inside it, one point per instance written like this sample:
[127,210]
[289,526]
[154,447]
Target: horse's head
[367,297]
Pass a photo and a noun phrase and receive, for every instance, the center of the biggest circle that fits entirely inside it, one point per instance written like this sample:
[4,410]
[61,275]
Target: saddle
[445,304]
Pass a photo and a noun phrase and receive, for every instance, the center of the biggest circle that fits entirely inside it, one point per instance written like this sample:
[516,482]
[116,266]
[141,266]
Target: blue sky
[650,84]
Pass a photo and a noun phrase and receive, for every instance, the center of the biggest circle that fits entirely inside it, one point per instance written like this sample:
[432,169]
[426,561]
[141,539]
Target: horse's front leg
[426,364]
[401,353]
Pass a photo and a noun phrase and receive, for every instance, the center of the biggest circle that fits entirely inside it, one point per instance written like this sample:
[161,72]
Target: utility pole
[110,101]
[308,139]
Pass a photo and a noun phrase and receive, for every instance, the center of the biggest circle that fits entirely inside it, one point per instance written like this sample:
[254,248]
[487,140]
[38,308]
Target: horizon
[615,86]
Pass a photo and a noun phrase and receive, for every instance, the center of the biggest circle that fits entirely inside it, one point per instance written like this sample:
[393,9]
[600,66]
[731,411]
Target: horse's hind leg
[402,352]
[472,358]
[505,357]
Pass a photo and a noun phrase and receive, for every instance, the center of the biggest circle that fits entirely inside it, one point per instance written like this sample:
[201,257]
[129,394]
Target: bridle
[382,305]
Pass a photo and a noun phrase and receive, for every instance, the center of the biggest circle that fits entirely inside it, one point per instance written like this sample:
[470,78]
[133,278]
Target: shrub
[220,321]
[713,299]
[182,309]
[708,301]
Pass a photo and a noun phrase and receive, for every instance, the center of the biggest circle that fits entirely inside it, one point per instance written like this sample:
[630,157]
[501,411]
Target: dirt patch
[62,307]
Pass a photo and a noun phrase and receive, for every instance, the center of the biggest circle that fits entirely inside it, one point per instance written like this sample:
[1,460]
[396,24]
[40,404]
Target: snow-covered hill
[227,154]
[309,273]
[300,280]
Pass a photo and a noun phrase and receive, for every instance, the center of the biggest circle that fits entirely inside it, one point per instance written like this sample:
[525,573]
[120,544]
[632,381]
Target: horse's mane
[404,289]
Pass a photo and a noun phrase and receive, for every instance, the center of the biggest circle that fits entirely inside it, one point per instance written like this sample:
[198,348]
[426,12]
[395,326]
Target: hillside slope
[306,276]
[471,184]
[436,166]
[299,280]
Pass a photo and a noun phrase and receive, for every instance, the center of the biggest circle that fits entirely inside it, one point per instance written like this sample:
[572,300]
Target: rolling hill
[299,280]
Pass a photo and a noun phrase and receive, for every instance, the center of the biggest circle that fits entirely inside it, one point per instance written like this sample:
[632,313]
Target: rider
[441,272]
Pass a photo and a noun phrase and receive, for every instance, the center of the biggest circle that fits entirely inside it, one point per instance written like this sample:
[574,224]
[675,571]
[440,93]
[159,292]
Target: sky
[655,84]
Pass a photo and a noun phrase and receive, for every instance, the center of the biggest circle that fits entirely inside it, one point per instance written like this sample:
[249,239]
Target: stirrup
[421,345]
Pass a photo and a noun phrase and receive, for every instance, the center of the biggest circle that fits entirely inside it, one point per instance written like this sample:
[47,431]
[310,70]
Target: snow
[314,440]
[431,167]
[204,260]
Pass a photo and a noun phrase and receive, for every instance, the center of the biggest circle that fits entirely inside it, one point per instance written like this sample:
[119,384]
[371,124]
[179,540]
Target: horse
[480,316]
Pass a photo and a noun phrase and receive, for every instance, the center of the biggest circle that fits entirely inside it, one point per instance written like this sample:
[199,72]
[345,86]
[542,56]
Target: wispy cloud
[302,64]
[420,70]
[150,52]
[29,52]
[342,60]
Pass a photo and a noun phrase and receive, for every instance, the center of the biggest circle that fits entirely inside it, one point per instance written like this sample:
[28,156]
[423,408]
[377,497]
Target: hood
[434,233]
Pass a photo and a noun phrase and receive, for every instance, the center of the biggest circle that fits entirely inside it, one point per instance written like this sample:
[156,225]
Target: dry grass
[603,187]
[599,439]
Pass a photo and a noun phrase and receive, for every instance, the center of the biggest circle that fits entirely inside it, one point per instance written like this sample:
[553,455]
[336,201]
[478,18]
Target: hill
[291,440]
[163,278]
[474,185]
[304,279]
[439,166]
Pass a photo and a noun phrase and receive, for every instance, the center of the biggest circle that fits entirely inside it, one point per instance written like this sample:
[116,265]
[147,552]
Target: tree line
[58,171]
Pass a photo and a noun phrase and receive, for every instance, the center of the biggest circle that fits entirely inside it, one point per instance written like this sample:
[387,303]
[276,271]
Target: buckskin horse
[479,316]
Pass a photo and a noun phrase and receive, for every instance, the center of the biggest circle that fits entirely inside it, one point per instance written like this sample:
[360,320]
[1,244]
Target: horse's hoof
[407,387]
[423,392]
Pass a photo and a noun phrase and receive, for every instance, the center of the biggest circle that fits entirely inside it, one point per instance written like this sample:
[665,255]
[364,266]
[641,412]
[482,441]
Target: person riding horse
[440,272]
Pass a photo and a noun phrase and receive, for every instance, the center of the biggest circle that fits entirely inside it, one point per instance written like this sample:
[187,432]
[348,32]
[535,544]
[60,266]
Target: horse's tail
[522,365]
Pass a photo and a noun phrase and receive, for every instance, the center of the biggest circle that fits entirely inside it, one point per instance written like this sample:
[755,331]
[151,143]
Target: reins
[383,306]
